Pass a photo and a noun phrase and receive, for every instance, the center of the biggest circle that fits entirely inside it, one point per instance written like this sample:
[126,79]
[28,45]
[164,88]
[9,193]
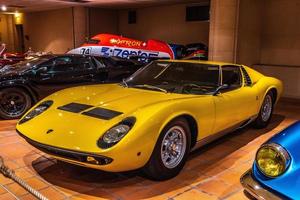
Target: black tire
[14,102]
[155,169]
[261,121]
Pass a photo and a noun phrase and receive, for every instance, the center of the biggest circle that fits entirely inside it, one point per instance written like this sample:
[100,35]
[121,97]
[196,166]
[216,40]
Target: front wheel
[14,102]
[170,152]
[266,111]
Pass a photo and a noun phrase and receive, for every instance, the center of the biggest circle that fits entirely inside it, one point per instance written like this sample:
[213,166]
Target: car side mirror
[221,87]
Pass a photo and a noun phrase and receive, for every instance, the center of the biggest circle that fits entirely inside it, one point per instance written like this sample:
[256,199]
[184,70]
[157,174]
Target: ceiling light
[3,8]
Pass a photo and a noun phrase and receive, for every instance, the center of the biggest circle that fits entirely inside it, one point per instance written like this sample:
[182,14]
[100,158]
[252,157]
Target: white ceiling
[38,5]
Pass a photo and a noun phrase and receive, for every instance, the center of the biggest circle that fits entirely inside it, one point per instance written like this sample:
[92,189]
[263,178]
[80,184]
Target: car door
[235,104]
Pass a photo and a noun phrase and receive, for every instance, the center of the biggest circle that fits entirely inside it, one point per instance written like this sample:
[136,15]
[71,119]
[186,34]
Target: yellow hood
[114,97]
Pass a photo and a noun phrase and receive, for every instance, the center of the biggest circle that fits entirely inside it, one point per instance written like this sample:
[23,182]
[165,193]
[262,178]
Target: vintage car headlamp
[272,160]
[116,133]
[36,111]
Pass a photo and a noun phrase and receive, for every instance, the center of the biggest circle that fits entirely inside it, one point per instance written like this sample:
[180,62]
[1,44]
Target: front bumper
[255,189]
[81,158]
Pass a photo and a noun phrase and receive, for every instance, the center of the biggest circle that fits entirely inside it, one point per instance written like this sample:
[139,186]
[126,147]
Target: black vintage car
[24,83]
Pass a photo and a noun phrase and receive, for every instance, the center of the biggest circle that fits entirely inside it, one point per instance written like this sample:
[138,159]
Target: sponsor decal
[129,43]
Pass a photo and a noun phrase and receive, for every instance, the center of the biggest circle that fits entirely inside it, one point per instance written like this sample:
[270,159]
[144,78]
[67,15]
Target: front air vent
[75,107]
[102,113]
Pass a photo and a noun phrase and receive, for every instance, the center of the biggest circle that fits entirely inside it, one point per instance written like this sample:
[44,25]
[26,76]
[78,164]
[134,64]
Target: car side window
[61,64]
[83,63]
[231,75]
[100,62]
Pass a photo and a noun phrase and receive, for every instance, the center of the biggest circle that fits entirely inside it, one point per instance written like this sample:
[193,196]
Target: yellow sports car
[153,119]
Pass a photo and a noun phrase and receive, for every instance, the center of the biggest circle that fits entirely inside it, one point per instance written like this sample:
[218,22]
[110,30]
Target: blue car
[276,170]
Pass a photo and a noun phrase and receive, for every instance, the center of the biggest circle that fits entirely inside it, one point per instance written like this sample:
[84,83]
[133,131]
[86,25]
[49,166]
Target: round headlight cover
[36,111]
[116,133]
[272,160]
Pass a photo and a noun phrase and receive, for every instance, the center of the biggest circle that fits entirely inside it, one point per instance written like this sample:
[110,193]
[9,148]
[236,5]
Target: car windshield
[176,77]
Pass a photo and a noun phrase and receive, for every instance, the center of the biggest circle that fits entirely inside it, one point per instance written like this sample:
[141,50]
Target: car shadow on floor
[201,164]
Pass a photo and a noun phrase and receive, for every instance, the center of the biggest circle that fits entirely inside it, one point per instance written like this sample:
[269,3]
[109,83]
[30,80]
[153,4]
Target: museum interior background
[264,34]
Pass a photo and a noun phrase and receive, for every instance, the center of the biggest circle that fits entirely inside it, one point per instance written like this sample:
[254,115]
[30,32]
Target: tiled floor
[211,172]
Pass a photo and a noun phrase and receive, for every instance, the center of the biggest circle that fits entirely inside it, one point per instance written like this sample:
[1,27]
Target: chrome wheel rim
[266,108]
[173,147]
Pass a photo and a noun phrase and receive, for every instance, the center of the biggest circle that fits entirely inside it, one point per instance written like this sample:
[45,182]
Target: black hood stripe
[102,113]
[75,107]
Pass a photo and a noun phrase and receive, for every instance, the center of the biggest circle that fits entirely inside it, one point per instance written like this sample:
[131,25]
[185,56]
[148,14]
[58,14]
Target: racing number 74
[85,51]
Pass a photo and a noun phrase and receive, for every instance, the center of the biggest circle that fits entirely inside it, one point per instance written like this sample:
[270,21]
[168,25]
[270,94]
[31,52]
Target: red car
[9,58]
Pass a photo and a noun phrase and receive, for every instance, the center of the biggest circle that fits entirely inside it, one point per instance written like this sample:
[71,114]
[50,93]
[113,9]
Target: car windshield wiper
[151,87]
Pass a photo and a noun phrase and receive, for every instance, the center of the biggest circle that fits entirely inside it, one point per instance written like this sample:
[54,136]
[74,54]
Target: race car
[195,51]
[275,172]
[153,119]
[115,45]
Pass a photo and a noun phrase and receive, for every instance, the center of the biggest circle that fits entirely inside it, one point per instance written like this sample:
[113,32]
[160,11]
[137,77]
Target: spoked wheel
[14,102]
[266,111]
[173,147]
[170,152]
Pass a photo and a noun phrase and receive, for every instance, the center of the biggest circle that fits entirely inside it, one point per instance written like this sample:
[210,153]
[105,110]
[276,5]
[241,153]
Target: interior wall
[8,32]
[223,30]
[289,76]
[49,30]
[102,21]
[80,22]
[281,33]
[165,23]
[249,32]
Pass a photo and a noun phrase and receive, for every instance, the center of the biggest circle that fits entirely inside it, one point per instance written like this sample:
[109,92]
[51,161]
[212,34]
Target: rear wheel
[14,102]
[266,111]
[170,152]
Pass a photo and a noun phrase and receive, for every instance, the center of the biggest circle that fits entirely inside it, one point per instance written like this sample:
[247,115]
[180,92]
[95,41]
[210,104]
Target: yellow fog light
[272,160]
[92,160]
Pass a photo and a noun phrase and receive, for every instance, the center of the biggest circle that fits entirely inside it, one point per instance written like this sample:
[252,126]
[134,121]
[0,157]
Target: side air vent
[247,78]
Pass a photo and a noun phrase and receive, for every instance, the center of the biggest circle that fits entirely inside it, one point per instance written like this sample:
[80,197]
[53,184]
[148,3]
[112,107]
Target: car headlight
[272,160]
[116,133]
[36,111]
